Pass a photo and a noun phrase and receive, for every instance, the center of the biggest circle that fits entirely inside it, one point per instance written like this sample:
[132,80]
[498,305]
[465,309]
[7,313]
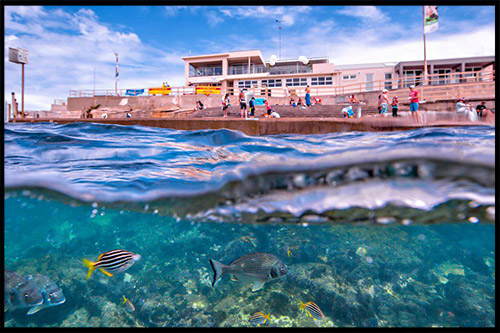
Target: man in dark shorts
[480,108]
[243,104]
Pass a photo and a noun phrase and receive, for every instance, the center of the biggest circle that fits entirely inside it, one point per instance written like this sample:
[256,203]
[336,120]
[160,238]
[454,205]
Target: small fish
[313,310]
[259,318]
[256,268]
[112,262]
[128,304]
[52,294]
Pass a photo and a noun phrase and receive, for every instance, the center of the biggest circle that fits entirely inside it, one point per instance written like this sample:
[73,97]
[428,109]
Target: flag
[117,73]
[430,19]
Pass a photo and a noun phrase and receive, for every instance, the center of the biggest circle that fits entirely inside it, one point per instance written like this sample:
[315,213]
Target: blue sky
[67,43]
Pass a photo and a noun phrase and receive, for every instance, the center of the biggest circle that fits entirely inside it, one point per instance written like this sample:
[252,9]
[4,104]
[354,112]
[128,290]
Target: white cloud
[367,13]
[287,15]
[64,59]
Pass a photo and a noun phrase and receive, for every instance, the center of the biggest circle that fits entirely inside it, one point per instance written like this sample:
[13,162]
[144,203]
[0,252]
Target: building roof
[370,65]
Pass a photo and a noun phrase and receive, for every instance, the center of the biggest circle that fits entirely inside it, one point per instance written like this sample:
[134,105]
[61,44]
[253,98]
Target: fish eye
[282,269]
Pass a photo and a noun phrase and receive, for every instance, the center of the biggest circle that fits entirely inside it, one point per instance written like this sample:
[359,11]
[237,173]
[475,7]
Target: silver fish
[256,268]
[20,292]
[52,294]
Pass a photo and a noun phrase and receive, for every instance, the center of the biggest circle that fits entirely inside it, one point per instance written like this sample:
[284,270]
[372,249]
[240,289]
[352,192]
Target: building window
[322,81]
[247,84]
[272,83]
[295,82]
[388,81]
[349,77]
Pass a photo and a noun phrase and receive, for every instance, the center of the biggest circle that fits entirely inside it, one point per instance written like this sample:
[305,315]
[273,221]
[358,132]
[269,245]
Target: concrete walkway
[269,126]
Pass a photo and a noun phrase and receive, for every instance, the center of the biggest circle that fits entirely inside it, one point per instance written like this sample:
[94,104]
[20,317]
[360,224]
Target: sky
[68,43]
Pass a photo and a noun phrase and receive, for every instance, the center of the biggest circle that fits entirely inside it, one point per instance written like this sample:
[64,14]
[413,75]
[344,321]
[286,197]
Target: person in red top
[413,101]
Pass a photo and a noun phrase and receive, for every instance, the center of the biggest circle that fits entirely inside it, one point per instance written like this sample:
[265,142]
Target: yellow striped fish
[128,304]
[313,310]
[112,262]
[259,318]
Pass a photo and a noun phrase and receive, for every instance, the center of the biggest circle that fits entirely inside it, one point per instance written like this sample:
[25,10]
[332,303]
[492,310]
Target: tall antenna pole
[279,27]
[425,54]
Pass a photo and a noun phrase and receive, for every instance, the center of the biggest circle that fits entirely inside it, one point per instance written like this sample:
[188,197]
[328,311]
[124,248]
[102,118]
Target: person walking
[414,102]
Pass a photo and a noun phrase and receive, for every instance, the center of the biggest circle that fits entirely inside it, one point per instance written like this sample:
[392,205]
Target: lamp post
[20,56]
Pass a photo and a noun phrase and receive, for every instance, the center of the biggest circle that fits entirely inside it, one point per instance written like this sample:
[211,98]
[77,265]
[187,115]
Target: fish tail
[124,300]
[267,317]
[219,270]
[90,266]
[302,305]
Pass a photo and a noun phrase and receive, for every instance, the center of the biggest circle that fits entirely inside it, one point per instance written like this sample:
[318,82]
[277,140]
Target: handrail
[399,83]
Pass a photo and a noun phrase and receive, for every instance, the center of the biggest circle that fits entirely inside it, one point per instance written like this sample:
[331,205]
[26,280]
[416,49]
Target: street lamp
[19,56]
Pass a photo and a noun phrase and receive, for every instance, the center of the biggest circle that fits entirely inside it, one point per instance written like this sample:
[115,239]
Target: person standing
[225,105]
[308,96]
[243,104]
[414,102]
[251,105]
[354,101]
[395,105]
[383,102]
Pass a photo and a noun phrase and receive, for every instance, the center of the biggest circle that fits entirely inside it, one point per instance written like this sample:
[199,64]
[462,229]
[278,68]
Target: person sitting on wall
[299,102]
[480,108]
[275,114]
[463,107]
[292,102]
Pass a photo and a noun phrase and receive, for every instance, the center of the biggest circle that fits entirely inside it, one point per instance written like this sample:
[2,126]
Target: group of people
[473,114]
[383,103]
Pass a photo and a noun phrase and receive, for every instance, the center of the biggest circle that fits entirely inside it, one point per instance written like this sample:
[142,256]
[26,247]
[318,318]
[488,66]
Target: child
[251,105]
[268,108]
[395,104]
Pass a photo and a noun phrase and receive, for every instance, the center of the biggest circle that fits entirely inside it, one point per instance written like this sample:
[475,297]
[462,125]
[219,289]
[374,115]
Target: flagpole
[116,76]
[425,55]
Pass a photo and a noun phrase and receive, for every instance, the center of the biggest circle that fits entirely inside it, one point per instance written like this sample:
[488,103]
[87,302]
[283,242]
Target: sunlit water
[378,229]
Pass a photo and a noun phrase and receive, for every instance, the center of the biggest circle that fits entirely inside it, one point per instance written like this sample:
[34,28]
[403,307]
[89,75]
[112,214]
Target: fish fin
[257,285]
[234,278]
[35,309]
[107,273]
[90,266]
[124,300]
[219,270]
